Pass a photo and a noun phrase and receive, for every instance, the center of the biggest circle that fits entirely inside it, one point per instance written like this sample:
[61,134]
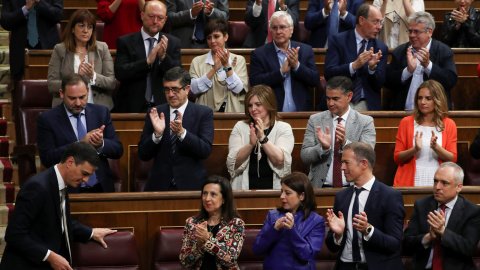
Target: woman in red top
[121,17]
[425,139]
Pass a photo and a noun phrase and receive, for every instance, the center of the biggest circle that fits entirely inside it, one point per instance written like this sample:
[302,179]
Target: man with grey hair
[444,227]
[329,131]
[286,66]
[422,58]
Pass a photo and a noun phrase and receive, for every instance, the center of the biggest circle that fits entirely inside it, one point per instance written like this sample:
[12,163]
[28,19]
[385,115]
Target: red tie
[271,10]
[437,250]
[337,162]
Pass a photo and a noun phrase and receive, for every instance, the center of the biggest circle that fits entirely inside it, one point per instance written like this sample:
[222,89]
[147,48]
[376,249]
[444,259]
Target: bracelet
[227,69]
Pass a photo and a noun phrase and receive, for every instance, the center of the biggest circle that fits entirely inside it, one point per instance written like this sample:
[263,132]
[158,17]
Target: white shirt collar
[181,109]
[145,35]
[368,185]
[359,38]
[61,183]
[70,114]
[451,203]
[344,116]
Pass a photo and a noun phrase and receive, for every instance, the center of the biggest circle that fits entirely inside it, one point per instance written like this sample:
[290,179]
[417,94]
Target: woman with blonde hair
[425,139]
[260,147]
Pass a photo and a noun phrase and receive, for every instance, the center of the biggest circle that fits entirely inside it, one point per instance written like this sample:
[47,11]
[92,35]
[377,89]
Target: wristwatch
[369,229]
[264,140]
[227,69]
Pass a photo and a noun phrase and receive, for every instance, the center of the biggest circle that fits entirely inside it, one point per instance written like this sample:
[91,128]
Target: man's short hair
[458,173]
[177,74]
[73,79]
[362,11]
[81,152]
[362,151]
[278,14]
[342,83]
[422,17]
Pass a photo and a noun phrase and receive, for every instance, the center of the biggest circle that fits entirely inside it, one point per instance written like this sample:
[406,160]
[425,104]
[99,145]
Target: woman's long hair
[267,98]
[440,101]
[229,209]
[300,183]
[79,16]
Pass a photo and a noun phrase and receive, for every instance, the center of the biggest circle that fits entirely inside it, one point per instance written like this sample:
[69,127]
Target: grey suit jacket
[61,64]
[359,128]
[181,24]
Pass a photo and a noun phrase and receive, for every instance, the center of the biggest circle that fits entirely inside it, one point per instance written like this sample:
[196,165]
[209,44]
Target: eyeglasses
[376,22]
[281,27]
[175,90]
[416,32]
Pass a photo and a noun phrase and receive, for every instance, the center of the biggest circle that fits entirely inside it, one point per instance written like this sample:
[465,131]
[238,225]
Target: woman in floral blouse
[214,237]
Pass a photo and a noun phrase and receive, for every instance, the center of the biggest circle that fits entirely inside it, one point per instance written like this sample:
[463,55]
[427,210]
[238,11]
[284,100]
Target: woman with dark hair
[80,52]
[461,26]
[260,147]
[219,78]
[292,235]
[214,237]
[425,139]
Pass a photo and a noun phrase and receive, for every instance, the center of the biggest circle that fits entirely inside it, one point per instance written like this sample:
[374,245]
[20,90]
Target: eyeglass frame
[416,32]
[175,90]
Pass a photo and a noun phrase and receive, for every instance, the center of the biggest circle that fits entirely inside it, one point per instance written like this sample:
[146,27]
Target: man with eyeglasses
[287,66]
[142,59]
[178,135]
[358,55]
[422,58]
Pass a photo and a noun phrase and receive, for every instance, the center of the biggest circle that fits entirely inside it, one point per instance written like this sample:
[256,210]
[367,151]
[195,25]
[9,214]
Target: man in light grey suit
[327,132]
[187,19]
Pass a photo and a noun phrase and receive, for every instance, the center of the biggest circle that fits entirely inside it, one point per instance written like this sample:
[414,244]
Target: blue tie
[32,27]
[355,211]
[173,136]
[357,91]
[81,131]
[148,91]
[199,25]
[333,25]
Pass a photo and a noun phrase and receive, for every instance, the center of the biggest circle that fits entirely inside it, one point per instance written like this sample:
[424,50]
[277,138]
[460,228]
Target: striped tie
[173,136]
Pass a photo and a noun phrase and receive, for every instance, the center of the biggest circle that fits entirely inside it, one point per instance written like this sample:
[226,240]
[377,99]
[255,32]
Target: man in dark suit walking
[40,229]
[358,55]
[75,120]
[288,67]
[443,231]
[142,59]
[422,58]
[179,135]
[33,25]
[367,233]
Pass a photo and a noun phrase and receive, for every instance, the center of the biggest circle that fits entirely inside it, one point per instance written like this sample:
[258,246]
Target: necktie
[337,162]
[148,91]
[271,10]
[64,220]
[355,211]
[357,92]
[333,21]
[199,25]
[437,250]
[81,131]
[32,27]
[173,136]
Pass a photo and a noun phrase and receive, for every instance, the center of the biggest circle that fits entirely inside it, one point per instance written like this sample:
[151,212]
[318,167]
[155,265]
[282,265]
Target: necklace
[210,228]
[81,53]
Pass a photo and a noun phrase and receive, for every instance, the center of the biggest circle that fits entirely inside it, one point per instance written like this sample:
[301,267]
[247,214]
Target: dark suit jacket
[35,225]
[459,240]
[257,35]
[265,69]
[385,211]
[342,50]
[443,71]
[181,24]
[131,69]
[475,147]
[49,13]
[315,22]
[186,165]
[55,134]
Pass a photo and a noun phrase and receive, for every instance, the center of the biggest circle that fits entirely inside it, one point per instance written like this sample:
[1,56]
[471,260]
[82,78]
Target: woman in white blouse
[80,52]
[260,147]
[219,78]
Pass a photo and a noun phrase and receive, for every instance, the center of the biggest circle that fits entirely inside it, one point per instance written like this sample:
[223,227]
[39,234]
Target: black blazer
[443,71]
[186,166]
[55,134]
[385,211]
[131,69]
[35,225]
[49,13]
[459,240]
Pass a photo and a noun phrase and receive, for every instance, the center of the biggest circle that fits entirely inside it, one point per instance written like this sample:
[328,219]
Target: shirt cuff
[208,15]
[367,237]
[323,13]
[92,81]
[339,243]
[155,139]
[191,16]
[428,69]
[350,67]
[234,83]
[406,75]
[100,149]
[25,13]
[46,256]
[182,136]
[283,75]
[256,10]
[344,16]
[298,66]
[425,245]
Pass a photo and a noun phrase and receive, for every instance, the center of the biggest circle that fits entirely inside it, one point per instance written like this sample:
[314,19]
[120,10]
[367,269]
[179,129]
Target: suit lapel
[371,197]
[188,121]
[456,215]
[140,50]
[52,177]
[352,45]
[272,55]
[351,122]
[89,114]
[64,121]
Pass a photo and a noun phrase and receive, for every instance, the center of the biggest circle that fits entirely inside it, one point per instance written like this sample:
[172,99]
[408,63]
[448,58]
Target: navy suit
[315,22]
[55,134]
[342,50]
[35,225]
[443,70]
[49,13]
[265,69]
[186,166]
[385,211]
[131,69]
[459,240]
